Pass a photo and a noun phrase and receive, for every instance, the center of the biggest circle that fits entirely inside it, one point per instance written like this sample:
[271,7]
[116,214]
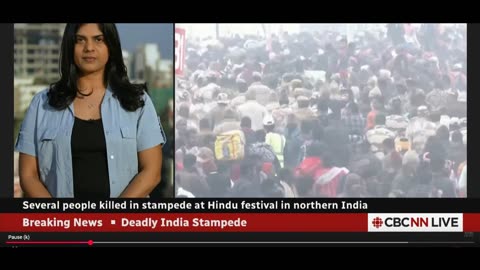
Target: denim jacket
[46,134]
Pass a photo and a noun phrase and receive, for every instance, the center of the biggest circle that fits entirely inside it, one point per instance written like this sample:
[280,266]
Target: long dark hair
[62,93]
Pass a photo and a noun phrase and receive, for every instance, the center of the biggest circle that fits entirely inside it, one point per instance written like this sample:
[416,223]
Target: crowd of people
[318,115]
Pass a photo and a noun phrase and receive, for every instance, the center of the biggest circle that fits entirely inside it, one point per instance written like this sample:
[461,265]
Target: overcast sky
[133,34]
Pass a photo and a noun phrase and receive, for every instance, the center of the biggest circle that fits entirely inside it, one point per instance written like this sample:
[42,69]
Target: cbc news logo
[415,222]
[377,222]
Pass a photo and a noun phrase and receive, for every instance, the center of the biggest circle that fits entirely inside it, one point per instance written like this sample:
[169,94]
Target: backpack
[230,145]
[262,150]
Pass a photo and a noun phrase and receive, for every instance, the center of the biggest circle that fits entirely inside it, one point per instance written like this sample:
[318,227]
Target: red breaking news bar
[204,222]
[183,222]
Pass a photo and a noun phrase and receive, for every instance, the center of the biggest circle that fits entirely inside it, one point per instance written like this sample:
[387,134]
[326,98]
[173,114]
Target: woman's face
[91,52]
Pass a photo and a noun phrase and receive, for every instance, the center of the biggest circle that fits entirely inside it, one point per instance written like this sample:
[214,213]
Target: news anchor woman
[92,134]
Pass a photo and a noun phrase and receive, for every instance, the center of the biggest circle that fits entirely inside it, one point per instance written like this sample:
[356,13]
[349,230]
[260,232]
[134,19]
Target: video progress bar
[91,242]
[283,242]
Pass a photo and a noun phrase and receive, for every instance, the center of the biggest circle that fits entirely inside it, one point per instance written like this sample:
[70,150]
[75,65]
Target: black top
[89,160]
